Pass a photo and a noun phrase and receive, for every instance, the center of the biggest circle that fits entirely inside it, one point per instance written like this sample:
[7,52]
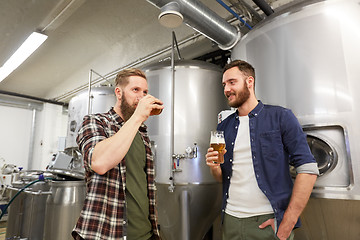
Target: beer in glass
[217,142]
[155,111]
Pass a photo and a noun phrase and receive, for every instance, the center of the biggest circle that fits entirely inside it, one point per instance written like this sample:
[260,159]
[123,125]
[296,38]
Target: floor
[3,233]
[2,230]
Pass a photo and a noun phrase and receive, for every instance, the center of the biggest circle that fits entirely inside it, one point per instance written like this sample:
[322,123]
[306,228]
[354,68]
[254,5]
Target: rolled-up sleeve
[309,168]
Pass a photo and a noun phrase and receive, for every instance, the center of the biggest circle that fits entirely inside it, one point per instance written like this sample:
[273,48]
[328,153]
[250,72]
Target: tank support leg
[185,215]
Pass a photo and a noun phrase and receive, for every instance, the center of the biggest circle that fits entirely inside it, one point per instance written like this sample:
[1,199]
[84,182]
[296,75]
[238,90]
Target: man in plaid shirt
[120,200]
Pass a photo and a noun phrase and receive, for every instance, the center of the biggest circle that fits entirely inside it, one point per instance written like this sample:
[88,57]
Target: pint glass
[217,142]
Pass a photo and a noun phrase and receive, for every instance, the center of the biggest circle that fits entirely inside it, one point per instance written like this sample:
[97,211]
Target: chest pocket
[271,146]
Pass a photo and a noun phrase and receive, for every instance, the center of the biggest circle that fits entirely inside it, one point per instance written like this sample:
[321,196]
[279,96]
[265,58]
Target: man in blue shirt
[260,200]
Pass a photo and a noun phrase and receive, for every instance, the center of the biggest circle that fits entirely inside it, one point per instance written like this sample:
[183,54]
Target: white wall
[16,143]
[15,129]
[51,124]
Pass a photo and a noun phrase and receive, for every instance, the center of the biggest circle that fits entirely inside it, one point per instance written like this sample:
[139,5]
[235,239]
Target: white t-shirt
[245,197]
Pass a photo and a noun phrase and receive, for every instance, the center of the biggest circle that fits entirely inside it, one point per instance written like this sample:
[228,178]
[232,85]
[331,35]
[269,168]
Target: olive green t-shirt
[137,201]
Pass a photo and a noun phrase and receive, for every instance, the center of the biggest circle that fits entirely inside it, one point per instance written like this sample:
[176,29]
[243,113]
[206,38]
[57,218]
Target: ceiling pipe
[234,13]
[264,7]
[33,98]
[202,19]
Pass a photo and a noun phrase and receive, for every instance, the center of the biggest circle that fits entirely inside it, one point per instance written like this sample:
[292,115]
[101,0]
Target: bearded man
[120,199]
[260,201]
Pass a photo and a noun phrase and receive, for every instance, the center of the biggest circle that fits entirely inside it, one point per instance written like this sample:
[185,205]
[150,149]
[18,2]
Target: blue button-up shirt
[277,141]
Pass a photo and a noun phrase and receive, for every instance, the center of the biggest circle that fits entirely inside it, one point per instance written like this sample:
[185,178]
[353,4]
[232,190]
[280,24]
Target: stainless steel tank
[101,99]
[27,211]
[307,58]
[45,209]
[188,198]
[63,208]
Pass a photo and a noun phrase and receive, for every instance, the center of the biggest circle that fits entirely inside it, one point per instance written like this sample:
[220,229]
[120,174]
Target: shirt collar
[256,110]
[253,112]
[116,116]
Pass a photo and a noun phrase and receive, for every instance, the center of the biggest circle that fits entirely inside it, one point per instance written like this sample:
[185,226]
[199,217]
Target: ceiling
[88,34]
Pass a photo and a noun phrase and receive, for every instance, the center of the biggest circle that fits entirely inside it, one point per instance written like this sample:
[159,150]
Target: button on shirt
[276,140]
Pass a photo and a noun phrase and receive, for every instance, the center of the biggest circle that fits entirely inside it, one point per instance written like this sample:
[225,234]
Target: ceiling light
[22,53]
[170,15]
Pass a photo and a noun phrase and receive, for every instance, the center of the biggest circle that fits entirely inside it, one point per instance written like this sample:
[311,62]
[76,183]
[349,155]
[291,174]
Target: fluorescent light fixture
[24,51]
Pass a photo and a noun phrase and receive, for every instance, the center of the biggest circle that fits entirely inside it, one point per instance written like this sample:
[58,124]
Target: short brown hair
[243,66]
[122,78]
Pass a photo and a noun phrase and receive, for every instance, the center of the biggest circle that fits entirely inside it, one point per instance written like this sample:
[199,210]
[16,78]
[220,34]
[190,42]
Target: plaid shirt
[103,213]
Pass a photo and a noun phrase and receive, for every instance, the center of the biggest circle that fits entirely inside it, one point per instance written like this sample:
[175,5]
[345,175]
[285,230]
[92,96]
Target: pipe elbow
[232,44]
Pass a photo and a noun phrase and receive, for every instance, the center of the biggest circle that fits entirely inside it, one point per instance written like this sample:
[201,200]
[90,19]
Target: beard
[241,97]
[126,109]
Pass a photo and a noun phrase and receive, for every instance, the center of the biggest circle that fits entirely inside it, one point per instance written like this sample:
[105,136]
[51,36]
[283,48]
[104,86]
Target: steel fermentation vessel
[307,59]
[63,208]
[27,211]
[188,198]
[101,99]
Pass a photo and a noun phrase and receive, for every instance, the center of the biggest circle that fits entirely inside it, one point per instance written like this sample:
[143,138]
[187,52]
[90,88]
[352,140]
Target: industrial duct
[199,17]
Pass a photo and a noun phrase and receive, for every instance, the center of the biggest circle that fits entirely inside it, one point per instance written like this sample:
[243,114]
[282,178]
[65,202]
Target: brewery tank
[99,100]
[27,210]
[188,197]
[44,205]
[63,208]
[306,58]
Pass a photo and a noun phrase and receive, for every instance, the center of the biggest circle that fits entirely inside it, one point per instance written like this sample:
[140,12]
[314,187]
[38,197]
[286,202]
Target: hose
[234,13]
[41,178]
[264,7]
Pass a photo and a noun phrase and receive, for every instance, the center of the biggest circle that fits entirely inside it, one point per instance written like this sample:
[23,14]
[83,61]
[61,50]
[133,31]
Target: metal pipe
[104,78]
[264,7]
[33,98]
[204,20]
[172,144]
[176,44]
[19,103]
[32,139]
[89,92]
[185,215]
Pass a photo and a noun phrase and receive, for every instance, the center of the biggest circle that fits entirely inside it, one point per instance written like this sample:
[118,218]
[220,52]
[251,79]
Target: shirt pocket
[272,147]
